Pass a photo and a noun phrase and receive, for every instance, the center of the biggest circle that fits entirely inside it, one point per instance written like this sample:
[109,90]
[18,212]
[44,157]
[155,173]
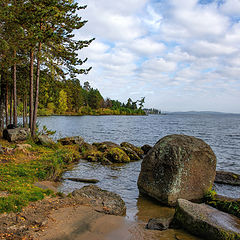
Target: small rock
[138,150]
[71,140]
[117,155]
[22,147]
[132,155]
[102,200]
[1,149]
[159,223]
[45,140]
[146,148]
[105,146]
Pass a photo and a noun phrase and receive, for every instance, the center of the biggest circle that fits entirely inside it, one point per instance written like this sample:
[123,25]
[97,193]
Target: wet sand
[83,222]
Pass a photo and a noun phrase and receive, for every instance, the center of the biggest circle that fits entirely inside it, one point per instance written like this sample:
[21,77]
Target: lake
[220,131]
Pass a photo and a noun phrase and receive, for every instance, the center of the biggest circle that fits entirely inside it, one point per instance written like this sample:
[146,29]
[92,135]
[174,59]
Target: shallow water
[221,132]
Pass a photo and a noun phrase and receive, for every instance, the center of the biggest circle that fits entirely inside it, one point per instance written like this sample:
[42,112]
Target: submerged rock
[101,200]
[159,223]
[71,140]
[228,178]
[207,222]
[84,180]
[16,134]
[178,166]
[146,148]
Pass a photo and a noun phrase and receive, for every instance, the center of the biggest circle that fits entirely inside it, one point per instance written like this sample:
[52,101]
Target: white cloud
[180,54]
[231,7]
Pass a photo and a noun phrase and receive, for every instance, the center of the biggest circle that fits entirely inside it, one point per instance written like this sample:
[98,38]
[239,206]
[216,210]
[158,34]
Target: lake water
[220,131]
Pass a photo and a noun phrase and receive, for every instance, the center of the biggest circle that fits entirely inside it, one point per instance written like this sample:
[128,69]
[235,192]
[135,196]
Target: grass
[21,170]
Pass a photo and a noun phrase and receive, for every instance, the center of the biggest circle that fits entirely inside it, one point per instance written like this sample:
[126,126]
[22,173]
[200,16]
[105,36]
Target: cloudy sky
[180,54]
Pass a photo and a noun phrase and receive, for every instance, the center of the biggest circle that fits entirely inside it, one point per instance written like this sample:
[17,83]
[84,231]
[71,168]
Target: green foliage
[62,102]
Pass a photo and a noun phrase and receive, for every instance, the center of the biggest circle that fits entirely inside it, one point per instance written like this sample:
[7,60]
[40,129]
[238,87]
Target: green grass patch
[17,179]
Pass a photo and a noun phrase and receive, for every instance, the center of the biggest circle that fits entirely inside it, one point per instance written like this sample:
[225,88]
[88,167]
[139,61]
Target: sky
[181,55]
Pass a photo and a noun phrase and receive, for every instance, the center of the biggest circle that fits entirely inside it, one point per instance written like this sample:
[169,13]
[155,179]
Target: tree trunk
[11,106]
[2,98]
[26,119]
[31,91]
[24,112]
[37,90]
[14,69]
[6,104]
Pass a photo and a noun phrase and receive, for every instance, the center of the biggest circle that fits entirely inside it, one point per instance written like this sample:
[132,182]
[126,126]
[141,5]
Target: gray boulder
[178,166]
[71,140]
[101,200]
[16,134]
[207,222]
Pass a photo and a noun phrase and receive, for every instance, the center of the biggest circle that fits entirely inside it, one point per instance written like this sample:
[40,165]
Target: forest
[39,64]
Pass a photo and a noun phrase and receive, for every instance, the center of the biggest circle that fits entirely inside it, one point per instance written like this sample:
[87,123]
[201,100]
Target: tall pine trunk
[31,91]
[14,72]
[2,98]
[24,112]
[26,119]
[11,106]
[6,104]
[37,90]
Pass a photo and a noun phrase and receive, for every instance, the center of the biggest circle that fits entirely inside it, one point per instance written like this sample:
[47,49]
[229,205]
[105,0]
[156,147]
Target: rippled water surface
[220,131]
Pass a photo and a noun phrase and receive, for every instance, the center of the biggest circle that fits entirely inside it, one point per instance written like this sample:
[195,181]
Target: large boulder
[102,200]
[16,134]
[71,140]
[178,166]
[207,222]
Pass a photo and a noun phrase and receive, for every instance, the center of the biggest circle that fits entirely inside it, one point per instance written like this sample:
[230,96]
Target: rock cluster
[105,152]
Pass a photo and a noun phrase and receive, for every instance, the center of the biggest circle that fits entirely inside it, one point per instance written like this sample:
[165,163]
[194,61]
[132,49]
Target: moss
[227,205]
[117,155]
[137,150]
[93,156]
[132,155]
